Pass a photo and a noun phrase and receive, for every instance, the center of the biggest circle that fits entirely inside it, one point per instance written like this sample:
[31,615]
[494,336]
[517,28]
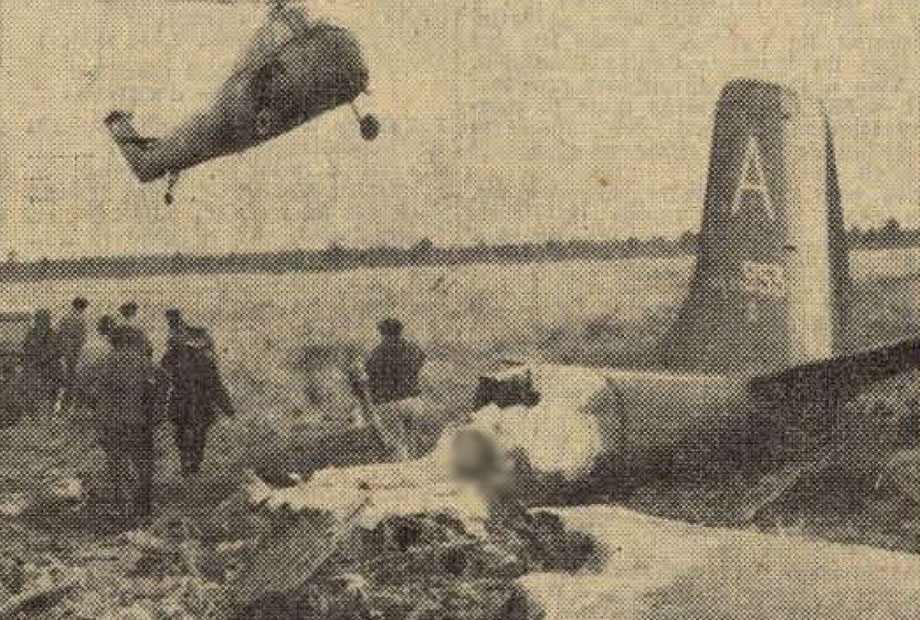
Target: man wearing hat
[391,385]
[127,397]
[394,365]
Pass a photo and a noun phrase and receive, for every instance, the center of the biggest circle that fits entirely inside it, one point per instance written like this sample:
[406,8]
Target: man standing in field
[71,336]
[42,362]
[197,393]
[392,373]
[394,365]
[126,398]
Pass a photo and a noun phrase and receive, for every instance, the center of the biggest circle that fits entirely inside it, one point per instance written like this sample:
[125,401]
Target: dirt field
[281,337]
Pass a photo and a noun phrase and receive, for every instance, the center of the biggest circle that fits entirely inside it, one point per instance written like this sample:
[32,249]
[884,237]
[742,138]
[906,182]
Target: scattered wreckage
[450,531]
[26,590]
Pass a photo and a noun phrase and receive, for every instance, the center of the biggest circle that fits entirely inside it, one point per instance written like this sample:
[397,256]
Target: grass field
[282,337]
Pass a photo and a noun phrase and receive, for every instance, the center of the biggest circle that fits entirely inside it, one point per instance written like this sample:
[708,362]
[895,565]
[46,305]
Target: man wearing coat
[127,395]
[197,394]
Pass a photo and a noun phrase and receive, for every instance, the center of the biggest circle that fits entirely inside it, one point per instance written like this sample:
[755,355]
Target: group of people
[129,394]
[51,355]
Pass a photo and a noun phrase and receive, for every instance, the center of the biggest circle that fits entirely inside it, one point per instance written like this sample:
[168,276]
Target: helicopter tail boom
[134,147]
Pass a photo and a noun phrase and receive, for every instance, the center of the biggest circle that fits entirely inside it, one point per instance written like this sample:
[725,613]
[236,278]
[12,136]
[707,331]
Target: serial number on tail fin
[762,279]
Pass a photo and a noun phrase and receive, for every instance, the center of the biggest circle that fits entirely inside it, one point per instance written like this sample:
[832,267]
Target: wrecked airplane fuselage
[758,340]
[643,564]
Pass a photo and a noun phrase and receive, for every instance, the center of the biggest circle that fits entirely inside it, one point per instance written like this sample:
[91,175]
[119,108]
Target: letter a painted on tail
[771,282]
[752,179]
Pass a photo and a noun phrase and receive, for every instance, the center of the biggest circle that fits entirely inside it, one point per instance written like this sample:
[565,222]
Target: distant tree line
[338,257]
[889,235]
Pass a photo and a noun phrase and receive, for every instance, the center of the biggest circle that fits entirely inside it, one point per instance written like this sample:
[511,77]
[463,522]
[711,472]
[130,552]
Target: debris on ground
[55,492]
[424,566]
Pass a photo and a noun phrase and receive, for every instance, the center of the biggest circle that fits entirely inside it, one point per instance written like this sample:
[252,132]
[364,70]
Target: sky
[501,119]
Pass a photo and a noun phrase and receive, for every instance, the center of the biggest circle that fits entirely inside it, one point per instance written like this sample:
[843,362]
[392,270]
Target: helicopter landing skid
[171,179]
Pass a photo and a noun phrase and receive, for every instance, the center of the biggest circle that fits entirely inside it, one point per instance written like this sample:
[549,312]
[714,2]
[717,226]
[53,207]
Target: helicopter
[294,69]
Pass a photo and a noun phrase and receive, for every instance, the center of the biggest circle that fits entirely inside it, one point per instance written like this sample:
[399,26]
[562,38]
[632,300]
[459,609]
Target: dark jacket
[71,336]
[197,391]
[393,369]
[133,337]
[40,348]
[127,392]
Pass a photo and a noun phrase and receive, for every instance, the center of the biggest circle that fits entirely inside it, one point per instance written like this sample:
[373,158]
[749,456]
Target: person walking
[71,337]
[41,360]
[127,399]
[197,394]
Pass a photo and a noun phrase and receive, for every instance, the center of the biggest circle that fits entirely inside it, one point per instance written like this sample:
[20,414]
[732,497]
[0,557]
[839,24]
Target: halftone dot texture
[534,191]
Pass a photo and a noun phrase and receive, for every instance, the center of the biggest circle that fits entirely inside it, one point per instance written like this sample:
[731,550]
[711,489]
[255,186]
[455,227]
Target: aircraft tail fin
[771,280]
[133,146]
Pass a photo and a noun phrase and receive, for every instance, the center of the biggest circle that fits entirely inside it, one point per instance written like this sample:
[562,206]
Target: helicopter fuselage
[306,76]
